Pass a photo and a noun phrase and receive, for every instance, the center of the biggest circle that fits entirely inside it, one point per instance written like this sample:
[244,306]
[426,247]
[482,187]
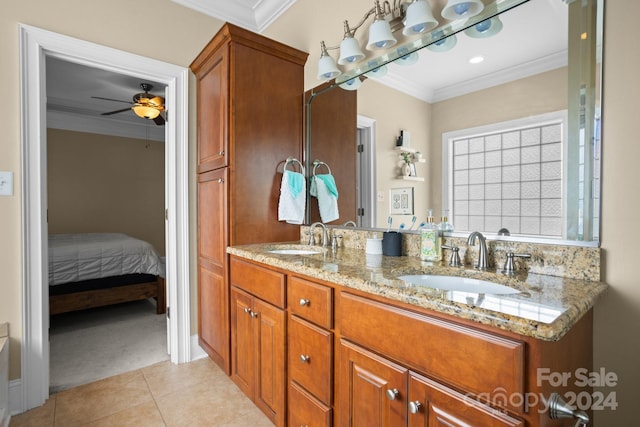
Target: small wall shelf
[411,178]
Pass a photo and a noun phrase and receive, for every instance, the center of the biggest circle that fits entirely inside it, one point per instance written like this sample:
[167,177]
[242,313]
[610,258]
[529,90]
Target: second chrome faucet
[482,249]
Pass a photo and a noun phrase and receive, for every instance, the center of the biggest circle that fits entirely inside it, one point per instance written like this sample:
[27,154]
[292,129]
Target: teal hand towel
[296,182]
[330,182]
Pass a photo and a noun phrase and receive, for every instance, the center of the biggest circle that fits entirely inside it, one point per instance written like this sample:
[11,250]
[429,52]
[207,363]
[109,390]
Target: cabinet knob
[253,314]
[221,153]
[221,180]
[247,310]
[414,407]
[305,358]
[393,394]
[304,301]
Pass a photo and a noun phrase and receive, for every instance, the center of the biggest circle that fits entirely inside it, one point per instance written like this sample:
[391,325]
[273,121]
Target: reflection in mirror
[563,81]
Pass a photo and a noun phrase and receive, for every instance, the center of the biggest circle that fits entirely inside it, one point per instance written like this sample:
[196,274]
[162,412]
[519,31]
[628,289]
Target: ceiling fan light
[487,28]
[457,9]
[157,101]
[145,111]
[380,36]
[419,18]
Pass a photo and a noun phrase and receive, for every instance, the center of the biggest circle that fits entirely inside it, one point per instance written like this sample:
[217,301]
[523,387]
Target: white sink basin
[294,251]
[461,284]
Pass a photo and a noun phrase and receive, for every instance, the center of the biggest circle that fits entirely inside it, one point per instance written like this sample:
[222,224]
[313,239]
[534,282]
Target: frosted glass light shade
[350,51]
[444,44]
[380,36]
[352,84]
[458,9]
[409,59]
[377,73]
[145,111]
[419,18]
[487,28]
[327,68]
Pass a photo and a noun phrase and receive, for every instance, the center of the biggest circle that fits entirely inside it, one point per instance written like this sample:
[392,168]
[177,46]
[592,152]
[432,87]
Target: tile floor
[192,394]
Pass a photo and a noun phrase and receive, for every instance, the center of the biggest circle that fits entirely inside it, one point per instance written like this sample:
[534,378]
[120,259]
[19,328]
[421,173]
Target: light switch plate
[380,196]
[6,183]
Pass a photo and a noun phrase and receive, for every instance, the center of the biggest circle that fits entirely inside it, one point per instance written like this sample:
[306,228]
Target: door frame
[35,45]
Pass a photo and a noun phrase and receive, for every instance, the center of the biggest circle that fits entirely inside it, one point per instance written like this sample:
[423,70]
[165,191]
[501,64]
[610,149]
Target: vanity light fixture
[487,28]
[413,17]
[457,9]
[352,84]
[419,18]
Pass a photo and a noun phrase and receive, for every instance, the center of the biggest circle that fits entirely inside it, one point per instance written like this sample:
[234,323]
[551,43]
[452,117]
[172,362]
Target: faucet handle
[455,256]
[312,239]
[509,267]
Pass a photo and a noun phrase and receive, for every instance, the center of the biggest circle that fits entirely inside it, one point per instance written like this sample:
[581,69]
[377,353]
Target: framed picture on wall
[401,201]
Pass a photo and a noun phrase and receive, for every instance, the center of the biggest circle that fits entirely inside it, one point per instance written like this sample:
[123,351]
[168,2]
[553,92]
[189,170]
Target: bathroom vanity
[361,347]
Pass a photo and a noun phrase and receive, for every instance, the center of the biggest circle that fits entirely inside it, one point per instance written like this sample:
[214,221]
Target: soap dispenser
[430,241]
[445,226]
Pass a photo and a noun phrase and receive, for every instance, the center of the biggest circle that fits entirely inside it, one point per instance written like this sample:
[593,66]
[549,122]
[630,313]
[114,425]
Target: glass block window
[509,176]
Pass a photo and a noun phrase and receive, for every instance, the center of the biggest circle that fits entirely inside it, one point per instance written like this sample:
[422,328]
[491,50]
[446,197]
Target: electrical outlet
[380,196]
[6,183]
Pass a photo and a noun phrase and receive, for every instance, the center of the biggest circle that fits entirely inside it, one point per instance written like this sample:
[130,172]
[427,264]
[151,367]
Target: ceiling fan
[145,105]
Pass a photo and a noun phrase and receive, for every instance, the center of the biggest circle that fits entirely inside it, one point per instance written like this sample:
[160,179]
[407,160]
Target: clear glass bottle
[430,241]
[445,226]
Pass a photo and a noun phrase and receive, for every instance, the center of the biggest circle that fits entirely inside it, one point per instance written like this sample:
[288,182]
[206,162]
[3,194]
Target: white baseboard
[196,351]
[16,405]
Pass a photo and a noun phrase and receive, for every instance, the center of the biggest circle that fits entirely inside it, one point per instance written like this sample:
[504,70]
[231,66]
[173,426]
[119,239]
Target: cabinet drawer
[305,410]
[310,358]
[266,284]
[311,301]
[473,360]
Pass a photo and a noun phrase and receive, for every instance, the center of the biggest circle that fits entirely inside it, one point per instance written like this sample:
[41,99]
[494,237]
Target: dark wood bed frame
[101,297]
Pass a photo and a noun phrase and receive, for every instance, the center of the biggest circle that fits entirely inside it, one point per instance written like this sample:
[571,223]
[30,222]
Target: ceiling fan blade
[159,120]
[111,99]
[115,112]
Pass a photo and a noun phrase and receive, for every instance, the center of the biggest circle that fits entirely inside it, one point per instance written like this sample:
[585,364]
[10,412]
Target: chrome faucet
[482,246]
[312,239]
[352,223]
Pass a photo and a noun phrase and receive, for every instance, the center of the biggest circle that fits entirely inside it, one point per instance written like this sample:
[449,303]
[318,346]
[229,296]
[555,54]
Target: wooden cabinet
[249,110]
[372,389]
[213,324]
[310,352]
[432,404]
[258,336]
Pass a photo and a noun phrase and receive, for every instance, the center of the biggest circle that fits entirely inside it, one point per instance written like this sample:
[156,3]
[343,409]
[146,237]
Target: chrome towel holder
[318,163]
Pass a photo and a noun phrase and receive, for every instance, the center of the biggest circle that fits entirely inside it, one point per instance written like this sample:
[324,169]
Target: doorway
[35,46]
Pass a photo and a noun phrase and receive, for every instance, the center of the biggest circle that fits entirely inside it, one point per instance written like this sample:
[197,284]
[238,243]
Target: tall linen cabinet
[249,112]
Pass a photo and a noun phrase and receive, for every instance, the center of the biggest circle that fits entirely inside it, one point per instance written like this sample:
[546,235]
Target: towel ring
[317,163]
[293,160]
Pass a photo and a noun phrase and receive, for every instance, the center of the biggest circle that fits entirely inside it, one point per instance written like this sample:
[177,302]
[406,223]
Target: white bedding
[75,257]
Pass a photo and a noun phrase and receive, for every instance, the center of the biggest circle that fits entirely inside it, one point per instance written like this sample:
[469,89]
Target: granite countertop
[546,309]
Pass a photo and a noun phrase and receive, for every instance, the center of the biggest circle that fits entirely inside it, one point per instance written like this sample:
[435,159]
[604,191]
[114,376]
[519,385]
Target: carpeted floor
[93,344]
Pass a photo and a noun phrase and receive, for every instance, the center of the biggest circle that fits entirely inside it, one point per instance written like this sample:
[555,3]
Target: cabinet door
[270,335]
[306,410]
[213,105]
[434,405]
[243,357]
[213,297]
[371,389]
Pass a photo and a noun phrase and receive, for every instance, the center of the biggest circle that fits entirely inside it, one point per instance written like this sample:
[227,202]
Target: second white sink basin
[461,284]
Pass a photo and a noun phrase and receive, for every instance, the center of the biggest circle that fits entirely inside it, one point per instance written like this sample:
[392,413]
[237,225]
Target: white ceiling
[533,40]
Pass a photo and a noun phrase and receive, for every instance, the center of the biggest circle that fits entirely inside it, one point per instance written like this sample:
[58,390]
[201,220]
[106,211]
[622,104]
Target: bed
[96,269]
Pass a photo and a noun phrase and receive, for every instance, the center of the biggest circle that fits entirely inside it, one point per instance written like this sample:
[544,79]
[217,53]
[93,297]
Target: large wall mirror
[516,147]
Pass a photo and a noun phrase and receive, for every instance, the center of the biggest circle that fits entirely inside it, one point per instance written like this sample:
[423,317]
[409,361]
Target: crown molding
[254,15]
[541,65]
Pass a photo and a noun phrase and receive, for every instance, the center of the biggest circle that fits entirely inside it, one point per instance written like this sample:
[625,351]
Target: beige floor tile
[144,415]
[37,417]
[91,402]
[209,403]
[165,378]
